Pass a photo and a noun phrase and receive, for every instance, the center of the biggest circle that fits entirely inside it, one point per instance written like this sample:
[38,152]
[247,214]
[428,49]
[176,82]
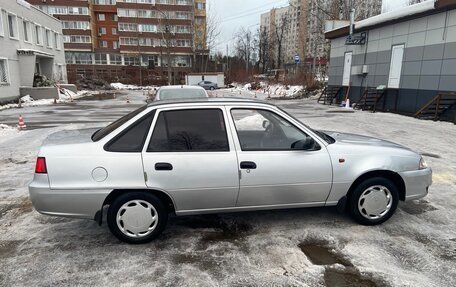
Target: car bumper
[417,183]
[67,203]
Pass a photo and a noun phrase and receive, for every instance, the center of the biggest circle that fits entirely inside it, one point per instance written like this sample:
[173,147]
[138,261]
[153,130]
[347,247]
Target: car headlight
[423,164]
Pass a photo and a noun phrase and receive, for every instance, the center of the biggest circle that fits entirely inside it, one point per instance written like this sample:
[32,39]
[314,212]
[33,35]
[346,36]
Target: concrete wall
[21,67]
[40,93]
[429,63]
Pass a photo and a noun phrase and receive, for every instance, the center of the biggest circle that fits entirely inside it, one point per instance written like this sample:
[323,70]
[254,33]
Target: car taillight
[40,165]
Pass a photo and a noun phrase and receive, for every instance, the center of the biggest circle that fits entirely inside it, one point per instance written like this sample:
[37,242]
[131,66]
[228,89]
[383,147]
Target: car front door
[190,156]
[279,163]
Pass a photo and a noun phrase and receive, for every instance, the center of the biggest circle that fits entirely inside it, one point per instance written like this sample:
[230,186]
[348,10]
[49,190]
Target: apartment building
[31,43]
[304,28]
[133,41]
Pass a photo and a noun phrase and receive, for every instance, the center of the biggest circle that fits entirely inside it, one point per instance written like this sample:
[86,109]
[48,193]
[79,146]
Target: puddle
[99,97]
[8,248]
[320,254]
[417,207]
[339,278]
[17,209]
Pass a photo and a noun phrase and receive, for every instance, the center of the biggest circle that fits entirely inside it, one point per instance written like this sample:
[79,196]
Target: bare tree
[244,45]
[213,31]
[280,30]
[263,47]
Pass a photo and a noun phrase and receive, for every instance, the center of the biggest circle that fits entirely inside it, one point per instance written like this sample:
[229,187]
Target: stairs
[370,100]
[434,109]
[329,95]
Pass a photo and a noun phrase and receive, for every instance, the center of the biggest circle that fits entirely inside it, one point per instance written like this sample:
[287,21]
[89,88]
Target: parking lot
[301,247]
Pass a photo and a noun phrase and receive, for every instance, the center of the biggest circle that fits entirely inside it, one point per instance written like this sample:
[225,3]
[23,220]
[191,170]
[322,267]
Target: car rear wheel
[212,88]
[373,201]
[137,217]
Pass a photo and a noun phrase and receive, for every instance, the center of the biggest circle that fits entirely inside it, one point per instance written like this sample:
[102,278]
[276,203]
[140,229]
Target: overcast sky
[235,14]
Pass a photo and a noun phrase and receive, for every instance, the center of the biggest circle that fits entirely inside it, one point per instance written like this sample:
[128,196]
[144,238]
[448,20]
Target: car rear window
[132,138]
[201,130]
[101,133]
[171,94]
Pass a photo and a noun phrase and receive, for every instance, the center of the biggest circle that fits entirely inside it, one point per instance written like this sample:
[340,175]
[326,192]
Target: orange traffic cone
[21,123]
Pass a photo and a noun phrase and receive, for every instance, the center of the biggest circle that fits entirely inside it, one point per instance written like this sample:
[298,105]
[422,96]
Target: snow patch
[120,86]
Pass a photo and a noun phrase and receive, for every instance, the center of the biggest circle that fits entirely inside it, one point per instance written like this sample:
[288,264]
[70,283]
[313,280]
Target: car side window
[262,130]
[200,130]
[132,138]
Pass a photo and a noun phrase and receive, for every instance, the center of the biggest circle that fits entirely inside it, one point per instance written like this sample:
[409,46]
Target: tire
[373,201]
[141,207]
[212,88]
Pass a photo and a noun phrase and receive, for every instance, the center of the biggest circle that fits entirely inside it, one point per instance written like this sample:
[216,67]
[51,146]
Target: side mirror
[308,144]
[266,124]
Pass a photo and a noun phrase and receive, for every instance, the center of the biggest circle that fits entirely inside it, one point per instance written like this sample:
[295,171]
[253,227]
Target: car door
[190,156]
[279,163]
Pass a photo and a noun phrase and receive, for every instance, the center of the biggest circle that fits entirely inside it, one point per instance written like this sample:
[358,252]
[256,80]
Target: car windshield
[101,133]
[171,94]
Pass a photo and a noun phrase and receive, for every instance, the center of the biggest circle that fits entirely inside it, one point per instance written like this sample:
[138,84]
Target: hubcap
[375,202]
[137,218]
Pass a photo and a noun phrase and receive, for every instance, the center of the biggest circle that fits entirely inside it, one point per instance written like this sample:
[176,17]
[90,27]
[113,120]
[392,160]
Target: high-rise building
[136,41]
[303,23]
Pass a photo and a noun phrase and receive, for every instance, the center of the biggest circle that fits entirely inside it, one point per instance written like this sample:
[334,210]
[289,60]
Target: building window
[114,31]
[69,59]
[78,25]
[83,58]
[103,44]
[56,41]
[131,60]
[104,2]
[4,77]
[78,10]
[200,6]
[101,59]
[100,17]
[27,33]
[114,17]
[115,44]
[115,59]
[76,39]
[12,26]
[48,38]
[2,31]
[38,35]
[102,31]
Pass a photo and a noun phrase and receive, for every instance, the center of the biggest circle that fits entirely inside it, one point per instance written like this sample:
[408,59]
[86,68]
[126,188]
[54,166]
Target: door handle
[163,166]
[248,165]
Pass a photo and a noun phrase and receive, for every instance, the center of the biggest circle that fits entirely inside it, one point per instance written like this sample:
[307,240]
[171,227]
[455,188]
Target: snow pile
[251,123]
[28,101]
[273,91]
[120,86]
[5,127]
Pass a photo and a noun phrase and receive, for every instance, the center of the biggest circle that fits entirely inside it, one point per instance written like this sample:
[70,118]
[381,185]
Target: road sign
[296,58]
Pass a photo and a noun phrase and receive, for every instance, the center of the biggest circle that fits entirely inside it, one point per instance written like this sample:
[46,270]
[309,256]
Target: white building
[31,43]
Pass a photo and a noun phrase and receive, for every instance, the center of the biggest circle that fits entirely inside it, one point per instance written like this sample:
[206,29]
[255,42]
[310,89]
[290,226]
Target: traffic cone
[347,104]
[21,123]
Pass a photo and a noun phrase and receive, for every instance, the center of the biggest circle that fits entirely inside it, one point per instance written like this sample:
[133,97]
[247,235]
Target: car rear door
[271,171]
[190,156]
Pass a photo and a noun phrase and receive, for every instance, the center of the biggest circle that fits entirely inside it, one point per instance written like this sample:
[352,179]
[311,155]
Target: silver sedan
[218,155]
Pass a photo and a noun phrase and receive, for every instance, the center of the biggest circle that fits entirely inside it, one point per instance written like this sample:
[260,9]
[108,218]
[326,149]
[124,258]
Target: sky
[234,14]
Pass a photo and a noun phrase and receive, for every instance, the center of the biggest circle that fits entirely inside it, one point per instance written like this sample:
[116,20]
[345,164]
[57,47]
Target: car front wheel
[373,201]
[212,88]
[137,217]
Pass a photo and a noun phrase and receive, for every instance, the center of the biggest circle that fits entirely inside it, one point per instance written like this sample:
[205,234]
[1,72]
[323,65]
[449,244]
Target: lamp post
[166,39]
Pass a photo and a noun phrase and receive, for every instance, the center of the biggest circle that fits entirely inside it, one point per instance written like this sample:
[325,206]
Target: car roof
[187,102]
[180,87]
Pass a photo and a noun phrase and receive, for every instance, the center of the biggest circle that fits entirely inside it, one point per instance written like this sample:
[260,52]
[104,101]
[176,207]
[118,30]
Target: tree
[213,31]
[263,48]
[244,45]
[280,30]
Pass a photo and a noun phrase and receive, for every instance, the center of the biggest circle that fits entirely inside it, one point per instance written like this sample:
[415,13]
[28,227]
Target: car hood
[353,139]
[70,137]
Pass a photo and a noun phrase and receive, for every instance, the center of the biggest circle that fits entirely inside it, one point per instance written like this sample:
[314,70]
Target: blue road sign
[296,58]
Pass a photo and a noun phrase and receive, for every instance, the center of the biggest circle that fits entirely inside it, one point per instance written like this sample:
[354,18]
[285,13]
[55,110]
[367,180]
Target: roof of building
[404,14]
